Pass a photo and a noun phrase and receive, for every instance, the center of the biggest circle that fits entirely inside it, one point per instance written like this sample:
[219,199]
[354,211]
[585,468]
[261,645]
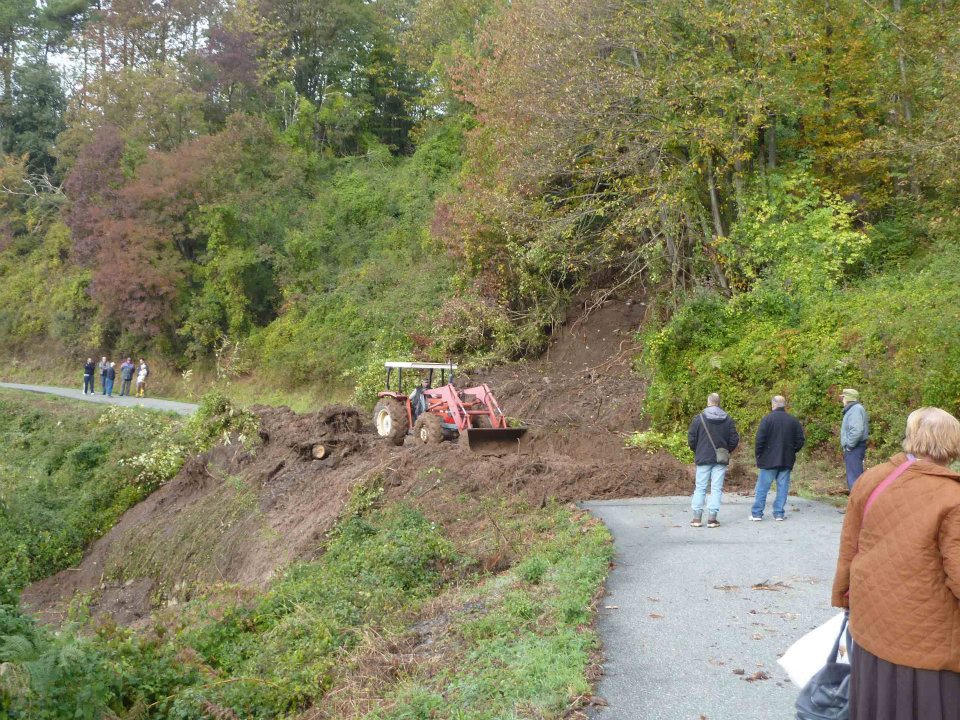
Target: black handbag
[827,695]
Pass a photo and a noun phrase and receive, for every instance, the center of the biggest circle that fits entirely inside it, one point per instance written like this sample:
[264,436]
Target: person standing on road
[142,378]
[126,375]
[109,379]
[779,439]
[854,433]
[88,370]
[712,437]
[103,366]
[898,574]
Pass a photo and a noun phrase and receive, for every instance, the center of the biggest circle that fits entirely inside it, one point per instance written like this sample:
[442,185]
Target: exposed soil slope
[232,516]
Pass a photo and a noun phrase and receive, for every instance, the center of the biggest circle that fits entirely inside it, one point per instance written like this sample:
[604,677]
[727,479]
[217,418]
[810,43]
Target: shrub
[651,441]
[219,420]
[881,335]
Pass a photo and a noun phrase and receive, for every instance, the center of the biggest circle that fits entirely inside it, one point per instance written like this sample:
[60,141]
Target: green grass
[65,478]
[521,642]
[518,644]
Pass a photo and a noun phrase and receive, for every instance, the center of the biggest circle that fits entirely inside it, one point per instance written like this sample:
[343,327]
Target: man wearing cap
[854,433]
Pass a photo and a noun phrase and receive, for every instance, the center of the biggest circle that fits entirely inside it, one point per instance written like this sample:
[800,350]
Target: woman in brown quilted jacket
[899,574]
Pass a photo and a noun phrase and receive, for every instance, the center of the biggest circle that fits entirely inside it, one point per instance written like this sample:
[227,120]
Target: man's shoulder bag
[723,455]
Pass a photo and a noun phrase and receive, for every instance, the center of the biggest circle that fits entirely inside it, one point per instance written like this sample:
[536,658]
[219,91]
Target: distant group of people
[713,437]
[108,376]
[898,573]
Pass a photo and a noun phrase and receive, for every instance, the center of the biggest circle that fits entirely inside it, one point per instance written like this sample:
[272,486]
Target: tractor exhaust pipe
[494,441]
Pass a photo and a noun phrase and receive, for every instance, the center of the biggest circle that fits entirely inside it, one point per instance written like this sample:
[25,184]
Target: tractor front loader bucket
[494,441]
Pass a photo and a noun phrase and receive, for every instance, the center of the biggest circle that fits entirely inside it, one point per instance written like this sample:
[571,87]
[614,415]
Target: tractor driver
[418,398]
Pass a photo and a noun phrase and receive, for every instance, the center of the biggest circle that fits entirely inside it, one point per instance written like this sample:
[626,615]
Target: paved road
[682,625]
[127,401]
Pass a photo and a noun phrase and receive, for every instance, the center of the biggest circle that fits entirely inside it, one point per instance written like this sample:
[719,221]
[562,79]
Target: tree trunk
[719,276]
[102,35]
[673,252]
[714,199]
[9,52]
[905,99]
[827,52]
[770,139]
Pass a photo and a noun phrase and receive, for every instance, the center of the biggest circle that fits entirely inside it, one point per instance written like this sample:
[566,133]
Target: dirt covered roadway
[234,516]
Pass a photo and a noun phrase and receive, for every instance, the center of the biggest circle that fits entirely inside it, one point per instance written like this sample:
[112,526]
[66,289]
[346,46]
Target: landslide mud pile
[231,515]
[234,516]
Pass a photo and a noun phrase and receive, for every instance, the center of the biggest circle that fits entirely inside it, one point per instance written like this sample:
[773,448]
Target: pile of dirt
[234,515]
[584,381]
[231,515]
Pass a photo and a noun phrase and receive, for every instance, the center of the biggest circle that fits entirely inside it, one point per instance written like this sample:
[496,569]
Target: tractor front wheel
[428,429]
[390,419]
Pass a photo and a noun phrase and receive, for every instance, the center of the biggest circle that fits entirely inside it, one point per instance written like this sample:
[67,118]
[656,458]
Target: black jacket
[88,368]
[111,374]
[722,429]
[779,439]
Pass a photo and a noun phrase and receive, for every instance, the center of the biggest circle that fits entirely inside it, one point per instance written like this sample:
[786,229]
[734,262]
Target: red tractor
[441,413]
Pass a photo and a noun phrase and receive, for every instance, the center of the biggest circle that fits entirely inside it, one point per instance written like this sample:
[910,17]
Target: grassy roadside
[820,477]
[69,470]
[168,384]
[519,644]
[391,623]
[67,473]
[403,615]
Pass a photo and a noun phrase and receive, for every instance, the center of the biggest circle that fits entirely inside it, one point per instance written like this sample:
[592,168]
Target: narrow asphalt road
[126,401]
[694,619]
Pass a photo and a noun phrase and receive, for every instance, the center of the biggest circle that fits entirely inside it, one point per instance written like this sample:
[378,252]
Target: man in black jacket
[88,369]
[712,437]
[779,439]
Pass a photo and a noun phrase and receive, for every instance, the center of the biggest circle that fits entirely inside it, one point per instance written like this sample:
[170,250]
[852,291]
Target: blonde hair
[933,433]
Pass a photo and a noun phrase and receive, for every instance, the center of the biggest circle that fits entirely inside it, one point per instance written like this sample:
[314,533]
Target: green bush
[795,233]
[67,474]
[885,335]
[362,275]
[218,420]
[651,441]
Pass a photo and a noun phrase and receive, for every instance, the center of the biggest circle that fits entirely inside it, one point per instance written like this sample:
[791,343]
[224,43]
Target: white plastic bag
[808,654]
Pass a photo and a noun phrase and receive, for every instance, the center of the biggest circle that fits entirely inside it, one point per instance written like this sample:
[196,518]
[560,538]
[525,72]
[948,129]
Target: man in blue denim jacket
[854,433]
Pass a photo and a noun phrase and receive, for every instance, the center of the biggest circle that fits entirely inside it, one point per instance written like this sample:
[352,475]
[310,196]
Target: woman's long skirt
[880,690]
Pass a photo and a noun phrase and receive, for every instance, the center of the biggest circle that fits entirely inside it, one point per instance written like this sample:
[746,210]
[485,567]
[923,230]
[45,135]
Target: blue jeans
[853,459]
[714,474]
[766,478]
[108,389]
[87,384]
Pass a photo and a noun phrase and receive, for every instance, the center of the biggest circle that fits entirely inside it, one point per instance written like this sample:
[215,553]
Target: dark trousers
[87,384]
[103,384]
[125,387]
[853,459]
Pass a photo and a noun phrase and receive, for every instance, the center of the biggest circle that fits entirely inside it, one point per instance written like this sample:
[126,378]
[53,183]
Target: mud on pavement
[232,516]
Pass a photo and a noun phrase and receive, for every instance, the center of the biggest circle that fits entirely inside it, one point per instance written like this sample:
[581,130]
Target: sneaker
[779,518]
[697,521]
[712,521]
[754,518]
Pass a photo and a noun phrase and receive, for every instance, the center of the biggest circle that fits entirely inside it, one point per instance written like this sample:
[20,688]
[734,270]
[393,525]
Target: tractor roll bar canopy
[420,366]
[444,368]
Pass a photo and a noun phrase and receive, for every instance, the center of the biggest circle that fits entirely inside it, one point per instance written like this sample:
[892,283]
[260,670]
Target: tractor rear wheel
[428,429]
[390,419]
